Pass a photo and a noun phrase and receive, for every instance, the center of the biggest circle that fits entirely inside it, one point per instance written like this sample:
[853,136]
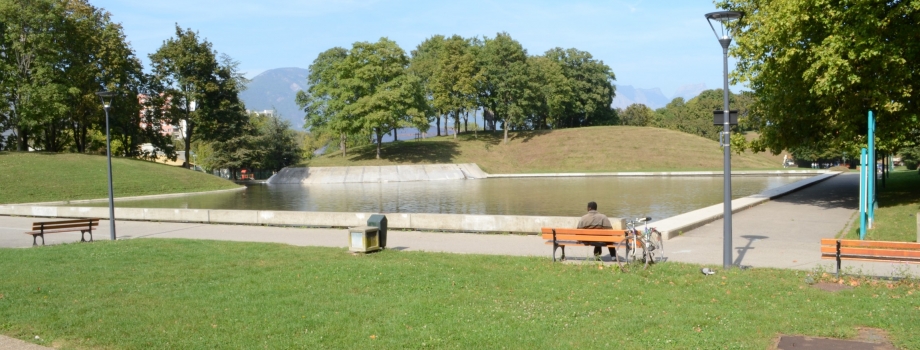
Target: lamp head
[106,97]
[724,18]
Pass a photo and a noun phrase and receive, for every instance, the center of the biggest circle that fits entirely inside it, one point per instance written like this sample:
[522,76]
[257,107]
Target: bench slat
[587,238]
[52,231]
[66,221]
[846,252]
[572,243]
[577,231]
[47,227]
[871,258]
[878,244]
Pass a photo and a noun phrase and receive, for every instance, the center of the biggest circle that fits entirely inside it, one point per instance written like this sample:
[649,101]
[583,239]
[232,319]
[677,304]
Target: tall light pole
[724,18]
[106,97]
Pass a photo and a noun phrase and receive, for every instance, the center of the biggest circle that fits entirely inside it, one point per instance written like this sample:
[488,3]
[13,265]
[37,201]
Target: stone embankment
[377,174]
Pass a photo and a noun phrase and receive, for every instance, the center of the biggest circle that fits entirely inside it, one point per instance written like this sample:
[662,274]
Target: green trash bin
[380,222]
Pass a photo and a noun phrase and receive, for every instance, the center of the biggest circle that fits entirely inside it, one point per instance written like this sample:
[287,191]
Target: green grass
[186,294]
[40,177]
[592,149]
[898,205]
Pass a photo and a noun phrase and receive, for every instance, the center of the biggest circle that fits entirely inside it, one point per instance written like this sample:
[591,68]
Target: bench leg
[82,237]
[35,238]
[838,259]
[556,246]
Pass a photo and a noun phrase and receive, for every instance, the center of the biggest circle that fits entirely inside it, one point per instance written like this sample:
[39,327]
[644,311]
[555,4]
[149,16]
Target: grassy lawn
[186,294]
[40,177]
[592,149]
[898,204]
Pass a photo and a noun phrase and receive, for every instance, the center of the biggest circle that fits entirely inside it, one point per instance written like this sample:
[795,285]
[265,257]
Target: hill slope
[43,177]
[594,149]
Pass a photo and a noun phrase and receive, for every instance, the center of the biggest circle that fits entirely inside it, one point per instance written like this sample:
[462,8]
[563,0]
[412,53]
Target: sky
[648,44]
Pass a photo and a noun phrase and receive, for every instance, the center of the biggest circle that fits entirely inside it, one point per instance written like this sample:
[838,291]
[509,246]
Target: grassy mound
[185,294]
[42,177]
[594,149]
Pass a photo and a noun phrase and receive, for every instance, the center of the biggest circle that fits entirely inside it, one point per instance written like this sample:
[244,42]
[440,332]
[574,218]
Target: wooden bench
[882,251]
[562,237]
[39,229]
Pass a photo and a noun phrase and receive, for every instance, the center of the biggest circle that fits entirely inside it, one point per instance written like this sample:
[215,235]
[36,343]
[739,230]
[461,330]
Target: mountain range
[276,89]
[654,98]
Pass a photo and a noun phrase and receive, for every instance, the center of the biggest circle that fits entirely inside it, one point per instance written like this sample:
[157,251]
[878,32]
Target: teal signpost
[867,169]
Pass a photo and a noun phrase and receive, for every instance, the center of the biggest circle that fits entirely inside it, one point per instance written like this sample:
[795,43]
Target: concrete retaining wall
[374,174]
[412,221]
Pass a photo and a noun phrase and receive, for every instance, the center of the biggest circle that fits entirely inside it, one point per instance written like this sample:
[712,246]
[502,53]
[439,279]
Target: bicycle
[646,245]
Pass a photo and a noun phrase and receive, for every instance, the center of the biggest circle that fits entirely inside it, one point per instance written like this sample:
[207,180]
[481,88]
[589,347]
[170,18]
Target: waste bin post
[380,222]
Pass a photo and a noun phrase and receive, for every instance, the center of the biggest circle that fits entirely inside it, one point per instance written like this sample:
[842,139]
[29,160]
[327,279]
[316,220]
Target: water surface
[658,197]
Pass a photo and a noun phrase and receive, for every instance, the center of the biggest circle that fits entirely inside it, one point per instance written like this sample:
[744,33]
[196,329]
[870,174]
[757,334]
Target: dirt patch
[867,339]
[831,287]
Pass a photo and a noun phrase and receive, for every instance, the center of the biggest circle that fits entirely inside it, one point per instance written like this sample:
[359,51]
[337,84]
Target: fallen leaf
[374,336]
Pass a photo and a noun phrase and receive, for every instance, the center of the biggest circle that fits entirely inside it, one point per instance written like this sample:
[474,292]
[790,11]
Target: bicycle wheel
[656,246]
[624,250]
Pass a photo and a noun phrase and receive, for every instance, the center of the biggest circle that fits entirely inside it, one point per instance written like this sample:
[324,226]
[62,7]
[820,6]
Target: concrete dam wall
[376,174]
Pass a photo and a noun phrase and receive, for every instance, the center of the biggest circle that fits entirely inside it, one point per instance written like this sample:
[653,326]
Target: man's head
[592,206]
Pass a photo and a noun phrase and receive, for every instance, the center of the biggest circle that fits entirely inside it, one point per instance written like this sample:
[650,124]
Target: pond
[658,197]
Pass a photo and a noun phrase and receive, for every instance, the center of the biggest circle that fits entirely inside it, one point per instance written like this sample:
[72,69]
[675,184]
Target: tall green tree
[548,93]
[424,64]
[385,95]
[29,64]
[591,84]
[505,80]
[455,81]
[637,114]
[325,98]
[817,67]
[196,92]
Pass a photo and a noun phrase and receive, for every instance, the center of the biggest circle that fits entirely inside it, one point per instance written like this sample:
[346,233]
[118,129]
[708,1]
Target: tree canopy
[818,67]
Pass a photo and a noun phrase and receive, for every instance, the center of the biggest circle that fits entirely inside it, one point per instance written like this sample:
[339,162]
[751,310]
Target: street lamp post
[724,18]
[106,97]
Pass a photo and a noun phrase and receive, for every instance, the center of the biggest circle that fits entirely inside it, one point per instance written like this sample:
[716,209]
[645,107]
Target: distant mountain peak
[689,91]
[276,89]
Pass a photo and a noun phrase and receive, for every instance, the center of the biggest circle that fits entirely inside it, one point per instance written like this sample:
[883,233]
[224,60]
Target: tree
[424,65]
[326,97]
[454,83]
[548,93]
[636,114]
[196,92]
[29,64]
[591,84]
[818,67]
[505,79]
[385,95]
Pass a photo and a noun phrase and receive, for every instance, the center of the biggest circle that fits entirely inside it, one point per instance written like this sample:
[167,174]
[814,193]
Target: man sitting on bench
[596,220]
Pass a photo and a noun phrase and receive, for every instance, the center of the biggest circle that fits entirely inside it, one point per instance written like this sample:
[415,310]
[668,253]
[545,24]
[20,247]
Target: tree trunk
[379,136]
[437,123]
[188,143]
[466,122]
[505,127]
[22,140]
[395,134]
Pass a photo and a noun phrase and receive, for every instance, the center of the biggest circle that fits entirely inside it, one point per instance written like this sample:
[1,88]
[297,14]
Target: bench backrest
[56,225]
[590,235]
[871,250]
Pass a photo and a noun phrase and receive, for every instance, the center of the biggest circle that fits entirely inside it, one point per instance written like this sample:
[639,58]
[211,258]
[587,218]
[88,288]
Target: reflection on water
[658,197]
